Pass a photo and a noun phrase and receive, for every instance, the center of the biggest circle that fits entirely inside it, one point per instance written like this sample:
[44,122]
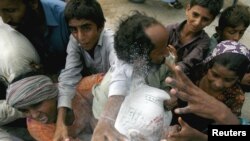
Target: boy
[188,37]
[90,51]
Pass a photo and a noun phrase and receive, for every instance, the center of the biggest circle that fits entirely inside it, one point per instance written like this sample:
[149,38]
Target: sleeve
[8,113]
[196,55]
[120,73]
[70,75]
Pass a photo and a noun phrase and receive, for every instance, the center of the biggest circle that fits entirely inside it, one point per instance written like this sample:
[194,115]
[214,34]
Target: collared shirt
[79,63]
[191,53]
[56,35]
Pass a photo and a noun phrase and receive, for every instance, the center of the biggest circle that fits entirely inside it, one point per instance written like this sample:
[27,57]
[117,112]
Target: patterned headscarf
[30,90]
[228,46]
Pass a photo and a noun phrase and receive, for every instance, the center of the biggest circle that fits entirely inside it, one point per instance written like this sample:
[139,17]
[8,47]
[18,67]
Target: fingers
[182,122]
[184,110]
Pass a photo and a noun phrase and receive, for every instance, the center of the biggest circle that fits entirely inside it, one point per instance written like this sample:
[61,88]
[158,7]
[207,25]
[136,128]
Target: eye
[10,10]
[215,74]
[86,28]
[195,14]
[25,111]
[72,29]
[37,105]
[230,79]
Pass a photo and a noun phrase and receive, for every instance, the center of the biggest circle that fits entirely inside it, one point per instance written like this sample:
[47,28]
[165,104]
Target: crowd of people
[64,76]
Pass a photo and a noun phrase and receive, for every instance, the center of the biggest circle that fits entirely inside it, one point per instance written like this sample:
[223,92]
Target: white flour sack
[16,54]
[142,113]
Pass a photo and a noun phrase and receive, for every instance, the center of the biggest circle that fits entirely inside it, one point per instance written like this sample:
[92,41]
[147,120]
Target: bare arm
[105,130]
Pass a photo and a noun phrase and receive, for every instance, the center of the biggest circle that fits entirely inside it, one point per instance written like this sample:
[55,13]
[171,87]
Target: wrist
[226,117]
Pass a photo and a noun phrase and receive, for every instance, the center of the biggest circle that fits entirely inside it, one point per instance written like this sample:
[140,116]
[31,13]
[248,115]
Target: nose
[33,114]
[219,84]
[198,22]
[236,37]
[80,35]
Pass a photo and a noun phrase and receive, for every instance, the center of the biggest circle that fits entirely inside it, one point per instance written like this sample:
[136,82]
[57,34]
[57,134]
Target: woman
[219,77]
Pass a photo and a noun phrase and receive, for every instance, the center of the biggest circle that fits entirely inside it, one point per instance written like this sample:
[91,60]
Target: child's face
[159,37]
[85,32]
[45,111]
[220,78]
[198,18]
[233,33]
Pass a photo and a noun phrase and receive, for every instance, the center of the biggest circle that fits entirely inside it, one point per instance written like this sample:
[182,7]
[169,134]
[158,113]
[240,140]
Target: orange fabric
[40,131]
[45,132]
[88,82]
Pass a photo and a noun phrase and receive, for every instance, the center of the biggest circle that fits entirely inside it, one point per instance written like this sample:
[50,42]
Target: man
[42,22]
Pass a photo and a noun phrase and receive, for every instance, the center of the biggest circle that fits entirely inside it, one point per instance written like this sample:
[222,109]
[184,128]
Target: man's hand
[199,102]
[105,130]
[61,133]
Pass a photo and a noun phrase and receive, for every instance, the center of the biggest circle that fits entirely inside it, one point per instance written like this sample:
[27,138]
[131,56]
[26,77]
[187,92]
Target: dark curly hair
[131,42]
[85,9]
[233,16]
[214,6]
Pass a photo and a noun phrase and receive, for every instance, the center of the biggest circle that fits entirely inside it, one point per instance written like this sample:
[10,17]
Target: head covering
[228,46]
[17,53]
[30,90]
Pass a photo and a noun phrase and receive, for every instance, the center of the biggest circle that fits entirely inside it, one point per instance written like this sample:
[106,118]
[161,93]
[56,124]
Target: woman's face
[220,78]
[45,111]
[158,36]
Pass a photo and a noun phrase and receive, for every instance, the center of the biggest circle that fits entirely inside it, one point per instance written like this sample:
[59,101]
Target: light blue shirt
[57,33]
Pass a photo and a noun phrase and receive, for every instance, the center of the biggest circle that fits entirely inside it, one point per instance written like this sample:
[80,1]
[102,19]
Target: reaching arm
[68,80]
[105,127]
[199,102]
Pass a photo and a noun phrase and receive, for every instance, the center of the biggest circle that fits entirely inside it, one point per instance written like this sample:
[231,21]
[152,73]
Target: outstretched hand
[199,102]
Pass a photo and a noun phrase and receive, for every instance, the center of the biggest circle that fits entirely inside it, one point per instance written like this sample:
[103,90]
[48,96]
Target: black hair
[214,6]
[131,42]
[235,62]
[233,16]
[85,9]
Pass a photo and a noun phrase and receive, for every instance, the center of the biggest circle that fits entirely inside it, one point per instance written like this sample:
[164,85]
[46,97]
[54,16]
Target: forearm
[225,116]
[112,108]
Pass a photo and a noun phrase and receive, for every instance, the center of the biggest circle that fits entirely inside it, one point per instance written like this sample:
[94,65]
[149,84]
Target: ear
[34,4]
[188,7]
